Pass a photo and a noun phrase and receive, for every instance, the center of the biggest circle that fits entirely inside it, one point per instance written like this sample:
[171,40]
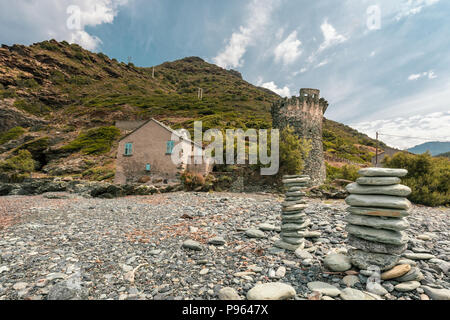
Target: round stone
[217,241]
[413,275]
[287,246]
[266,227]
[295,241]
[382,172]
[378,181]
[437,294]
[376,247]
[271,291]
[418,256]
[228,294]
[364,260]
[407,286]
[378,235]
[396,272]
[398,190]
[337,262]
[394,224]
[350,280]
[378,201]
[192,245]
[324,288]
[254,233]
[303,254]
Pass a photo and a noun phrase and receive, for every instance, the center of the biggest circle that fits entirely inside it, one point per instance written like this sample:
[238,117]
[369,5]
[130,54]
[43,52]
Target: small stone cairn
[293,223]
[376,224]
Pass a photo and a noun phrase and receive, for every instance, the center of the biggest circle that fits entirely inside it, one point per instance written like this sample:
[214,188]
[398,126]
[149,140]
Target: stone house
[147,152]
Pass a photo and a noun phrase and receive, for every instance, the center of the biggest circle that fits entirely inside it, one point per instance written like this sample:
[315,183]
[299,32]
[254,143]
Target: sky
[382,65]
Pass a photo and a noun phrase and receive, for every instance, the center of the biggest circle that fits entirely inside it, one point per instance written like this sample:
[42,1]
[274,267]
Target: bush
[347,172]
[428,177]
[293,152]
[95,141]
[11,134]
[22,163]
[193,181]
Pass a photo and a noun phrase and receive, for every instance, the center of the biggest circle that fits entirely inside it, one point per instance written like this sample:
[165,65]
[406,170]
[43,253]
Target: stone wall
[305,115]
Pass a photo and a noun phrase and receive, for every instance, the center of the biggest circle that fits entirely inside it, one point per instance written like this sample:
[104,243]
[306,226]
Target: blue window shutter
[170,146]
[148,167]
[128,149]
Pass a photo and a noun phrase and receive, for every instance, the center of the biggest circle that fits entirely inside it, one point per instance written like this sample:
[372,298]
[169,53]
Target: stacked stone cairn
[294,221]
[376,224]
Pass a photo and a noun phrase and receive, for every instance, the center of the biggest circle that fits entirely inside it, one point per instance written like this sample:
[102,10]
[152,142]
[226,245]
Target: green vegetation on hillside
[22,163]
[428,177]
[95,141]
[11,134]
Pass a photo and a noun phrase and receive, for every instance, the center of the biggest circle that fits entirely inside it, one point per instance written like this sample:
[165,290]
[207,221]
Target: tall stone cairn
[376,224]
[293,219]
[304,114]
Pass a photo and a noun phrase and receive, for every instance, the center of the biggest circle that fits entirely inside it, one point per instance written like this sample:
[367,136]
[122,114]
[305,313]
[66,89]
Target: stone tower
[305,115]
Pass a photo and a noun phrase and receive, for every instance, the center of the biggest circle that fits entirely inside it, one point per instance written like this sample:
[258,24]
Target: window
[148,167]
[128,149]
[170,146]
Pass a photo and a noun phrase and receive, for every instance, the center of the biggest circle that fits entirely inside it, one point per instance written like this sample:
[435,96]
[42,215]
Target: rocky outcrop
[85,188]
[11,117]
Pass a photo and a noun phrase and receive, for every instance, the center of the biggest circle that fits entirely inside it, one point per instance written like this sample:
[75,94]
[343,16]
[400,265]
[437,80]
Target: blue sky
[383,65]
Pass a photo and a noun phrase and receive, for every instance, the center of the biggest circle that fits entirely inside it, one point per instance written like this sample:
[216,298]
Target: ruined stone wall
[305,115]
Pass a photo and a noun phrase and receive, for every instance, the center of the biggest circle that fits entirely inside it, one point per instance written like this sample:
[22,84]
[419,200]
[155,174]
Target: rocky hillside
[51,93]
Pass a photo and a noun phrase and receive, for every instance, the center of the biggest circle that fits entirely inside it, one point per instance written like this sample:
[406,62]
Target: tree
[293,152]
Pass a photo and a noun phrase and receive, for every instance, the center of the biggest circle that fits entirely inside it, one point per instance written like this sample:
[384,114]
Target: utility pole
[376,156]
[200,93]
[153,73]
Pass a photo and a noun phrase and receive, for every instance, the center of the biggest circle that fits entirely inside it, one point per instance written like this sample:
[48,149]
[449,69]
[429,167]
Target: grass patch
[11,134]
[95,141]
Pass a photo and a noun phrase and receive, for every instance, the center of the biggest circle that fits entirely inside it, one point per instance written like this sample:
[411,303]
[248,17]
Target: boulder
[378,201]
[377,247]
[337,262]
[382,172]
[364,260]
[394,224]
[398,190]
[378,235]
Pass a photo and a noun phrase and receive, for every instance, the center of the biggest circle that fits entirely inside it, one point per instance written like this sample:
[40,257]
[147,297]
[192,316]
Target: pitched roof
[165,127]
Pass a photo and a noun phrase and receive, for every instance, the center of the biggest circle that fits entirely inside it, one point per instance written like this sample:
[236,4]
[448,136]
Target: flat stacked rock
[294,222]
[376,224]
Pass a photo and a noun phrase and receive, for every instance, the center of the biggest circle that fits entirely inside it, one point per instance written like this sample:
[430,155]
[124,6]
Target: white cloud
[58,19]
[430,75]
[323,63]
[258,18]
[412,7]
[331,37]
[284,92]
[289,50]
[410,131]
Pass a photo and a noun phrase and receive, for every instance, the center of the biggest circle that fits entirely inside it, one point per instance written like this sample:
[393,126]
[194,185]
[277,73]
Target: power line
[419,138]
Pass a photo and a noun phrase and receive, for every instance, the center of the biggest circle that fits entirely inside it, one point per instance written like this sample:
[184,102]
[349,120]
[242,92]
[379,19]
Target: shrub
[347,172]
[95,141]
[11,134]
[193,181]
[22,163]
[293,152]
[427,177]
[34,108]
